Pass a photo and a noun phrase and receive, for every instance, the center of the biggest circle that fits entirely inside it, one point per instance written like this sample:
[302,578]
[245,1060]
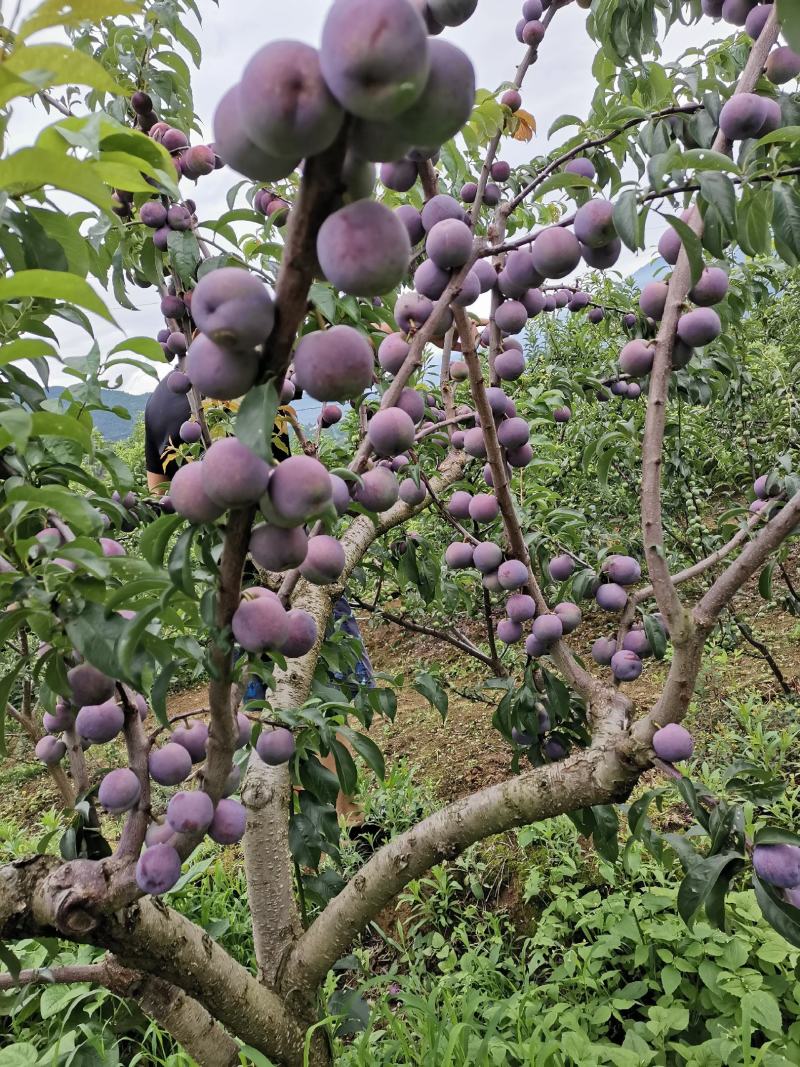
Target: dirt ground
[464,753]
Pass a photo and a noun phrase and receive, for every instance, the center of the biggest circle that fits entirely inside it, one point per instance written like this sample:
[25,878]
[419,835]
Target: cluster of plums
[190,161]
[164,218]
[95,715]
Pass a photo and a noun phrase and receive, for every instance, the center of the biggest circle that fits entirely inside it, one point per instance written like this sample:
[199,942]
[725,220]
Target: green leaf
[655,636]
[6,686]
[255,421]
[781,915]
[701,880]
[52,285]
[159,690]
[30,169]
[789,17]
[345,768]
[50,424]
[143,346]
[22,1054]
[606,830]
[184,252]
[626,219]
[692,245]
[155,537]
[433,692]
[786,220]
[25,348]
[15,428]
[718,189]
[765,582]
[367,749]
[775,835]
[45,65]
[180,562]
[71,12]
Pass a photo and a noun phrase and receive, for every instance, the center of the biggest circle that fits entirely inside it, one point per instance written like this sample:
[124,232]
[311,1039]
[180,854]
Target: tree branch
[267,861]
[669,603]
[575,675]
[590,777]
[455,638]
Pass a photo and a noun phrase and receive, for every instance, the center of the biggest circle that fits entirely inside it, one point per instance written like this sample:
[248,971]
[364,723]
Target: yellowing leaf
[526,126]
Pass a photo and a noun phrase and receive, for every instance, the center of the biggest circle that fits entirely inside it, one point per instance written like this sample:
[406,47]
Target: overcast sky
[560,82]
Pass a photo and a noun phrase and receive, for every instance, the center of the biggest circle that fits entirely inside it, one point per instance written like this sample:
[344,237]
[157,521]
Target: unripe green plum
[158,869]
[189,497]
[233,308]
[364,249]
[375,57]
[334,364]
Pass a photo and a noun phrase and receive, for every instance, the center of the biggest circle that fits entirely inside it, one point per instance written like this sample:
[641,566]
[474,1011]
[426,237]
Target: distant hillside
[111,426]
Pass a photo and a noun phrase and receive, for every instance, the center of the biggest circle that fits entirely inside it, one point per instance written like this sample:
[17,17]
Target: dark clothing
[164,414]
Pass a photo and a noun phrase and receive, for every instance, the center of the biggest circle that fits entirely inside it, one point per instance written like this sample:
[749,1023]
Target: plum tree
[119,612]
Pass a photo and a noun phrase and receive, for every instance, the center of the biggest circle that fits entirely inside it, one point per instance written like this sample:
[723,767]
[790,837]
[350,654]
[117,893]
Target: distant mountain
[113,427]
